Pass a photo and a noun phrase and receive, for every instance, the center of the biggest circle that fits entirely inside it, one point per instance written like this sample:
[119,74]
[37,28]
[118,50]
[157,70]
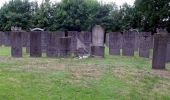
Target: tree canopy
[82,15]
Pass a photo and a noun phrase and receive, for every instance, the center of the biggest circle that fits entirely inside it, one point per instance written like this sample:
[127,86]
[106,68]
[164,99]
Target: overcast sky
[118,2]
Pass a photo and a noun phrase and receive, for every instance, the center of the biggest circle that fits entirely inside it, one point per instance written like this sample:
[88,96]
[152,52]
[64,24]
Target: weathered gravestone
[97,49]
[7,39]
[137,41]
[145,40]
[35,44]
[128,43]
[84,40]
[1,38]
[28,43]
[16,44]
[53,43]
[73,35]
[168,49]
[114,43]
[44,41]
[159,50]
[65,47]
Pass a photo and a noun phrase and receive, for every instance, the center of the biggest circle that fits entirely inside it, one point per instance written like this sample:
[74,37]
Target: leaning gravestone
[65,47]
[97,49]
[35,43]
[168,50]
[159,50]
[128,43]
[145,40]
[16,44]
[114,43]
[53,44]
[73,35]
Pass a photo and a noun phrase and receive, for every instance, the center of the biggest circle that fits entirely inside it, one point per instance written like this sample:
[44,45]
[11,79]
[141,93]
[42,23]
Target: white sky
[118,2]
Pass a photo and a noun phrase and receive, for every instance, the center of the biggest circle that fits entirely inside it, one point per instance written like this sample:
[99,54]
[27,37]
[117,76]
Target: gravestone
[145,40]
[1,38]
[159,50]
[84,40]
[168,49]
[28,43]
[65,47]
[16,44]
[7,39]
[73,35]
[137,40]
[53,43]
[35,44]
[44,41]
[97,49]
[114,43]
[128,43]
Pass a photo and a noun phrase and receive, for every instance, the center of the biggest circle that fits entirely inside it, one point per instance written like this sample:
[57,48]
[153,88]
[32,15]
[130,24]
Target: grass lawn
[110,78]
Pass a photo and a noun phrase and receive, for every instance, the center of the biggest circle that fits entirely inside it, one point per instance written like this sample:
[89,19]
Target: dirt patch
[161,73]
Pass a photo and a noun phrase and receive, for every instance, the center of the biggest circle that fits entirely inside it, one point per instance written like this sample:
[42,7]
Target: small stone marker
[128,43]
[97,49]
[16,44]
[35,44]
[145,40]
[159,50]
[65,47]
[168,50]
[114,43]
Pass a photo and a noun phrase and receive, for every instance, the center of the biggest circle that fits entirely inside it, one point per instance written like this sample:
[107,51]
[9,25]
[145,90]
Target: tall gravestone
[44,41]
[168,50]
[65,48]
[128,43]
[16,44]
[28,42]
[1,38]
[137,41]
[84,38]
[35,43]
[97,49]
[159,50]
[114,43]
[145,40]
[53,43]
[73,35]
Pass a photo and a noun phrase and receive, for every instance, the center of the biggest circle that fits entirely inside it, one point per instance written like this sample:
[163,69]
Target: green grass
[111,78]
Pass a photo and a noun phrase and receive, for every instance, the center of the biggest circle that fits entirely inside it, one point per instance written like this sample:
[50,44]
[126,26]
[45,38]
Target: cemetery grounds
[109,78]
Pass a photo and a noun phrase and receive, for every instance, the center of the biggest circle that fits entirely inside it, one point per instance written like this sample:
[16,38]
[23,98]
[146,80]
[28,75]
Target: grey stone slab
[128,43]
[35,44]
[97,51]
[98,36]
[114,43]
[159,51]
[16,44]
[65,47]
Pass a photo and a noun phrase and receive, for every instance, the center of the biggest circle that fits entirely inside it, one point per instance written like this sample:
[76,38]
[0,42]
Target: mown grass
[110,78]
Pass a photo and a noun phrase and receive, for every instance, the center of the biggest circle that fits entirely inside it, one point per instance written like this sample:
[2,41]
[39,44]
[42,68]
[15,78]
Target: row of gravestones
[56,43]
[127,42]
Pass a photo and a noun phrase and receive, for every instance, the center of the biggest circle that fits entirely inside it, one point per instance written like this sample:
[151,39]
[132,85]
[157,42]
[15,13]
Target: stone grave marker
[128,43]
[65,47]
[145,40]
[97,49]
[16,44]
[35,44]
[159,50]
[114,43]
[168,49]
[73,34]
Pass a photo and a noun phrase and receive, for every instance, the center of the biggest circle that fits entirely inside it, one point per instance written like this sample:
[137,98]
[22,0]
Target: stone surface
[7,39]
[44,41]
[35,44]
[159,51]
[97,36]
[145,40]
[53,45]
[16,44]
[97,51]
[65,48]
[168,50]
[128,43]
[1,38]
[73,34]
[107,40]
[114,43]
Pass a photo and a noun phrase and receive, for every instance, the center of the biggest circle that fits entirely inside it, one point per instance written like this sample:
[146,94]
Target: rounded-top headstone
[97,36]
